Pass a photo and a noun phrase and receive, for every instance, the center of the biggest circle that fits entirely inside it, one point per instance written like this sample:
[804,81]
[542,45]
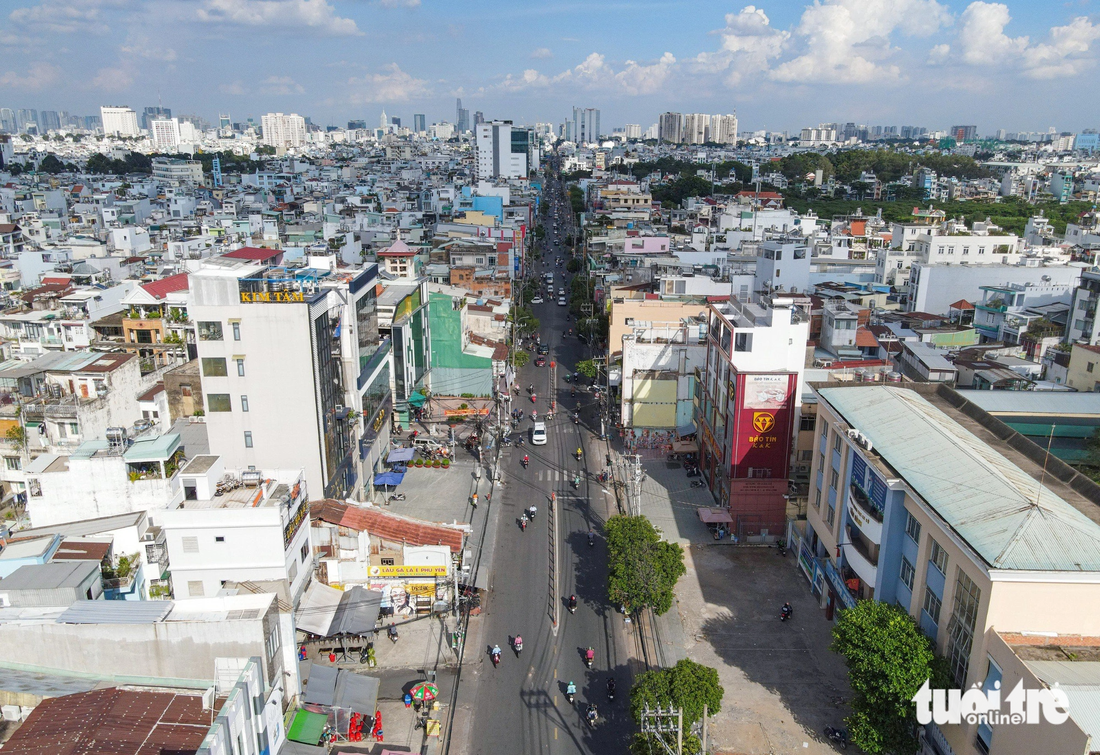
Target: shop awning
[307,727]
[400,454]
[685,430]
[334,688]
[389,478]
[685,446]
[326,611]
[714,516]
[417,399]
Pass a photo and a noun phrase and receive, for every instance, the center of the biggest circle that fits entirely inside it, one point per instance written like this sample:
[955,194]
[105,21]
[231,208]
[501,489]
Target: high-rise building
[653,132]
[723,129]
[479,118]
[696,128]
[225,123]
[92,122]
[462,117]
[7,120]
[359,125]
[586,125]
[48,120]
[964,133]
[504,151]
[165,133]
[26,119]
[119,120]
[283,130]
[396,121]
[670,128]
[632,131]
[156,113]
[384,121]
[420,123]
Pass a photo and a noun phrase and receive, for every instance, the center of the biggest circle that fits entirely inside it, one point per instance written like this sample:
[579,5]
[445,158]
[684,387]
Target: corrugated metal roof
[49,576]
[989,501]
[153,449]
[1080,680]
[116,612]
[1035,402]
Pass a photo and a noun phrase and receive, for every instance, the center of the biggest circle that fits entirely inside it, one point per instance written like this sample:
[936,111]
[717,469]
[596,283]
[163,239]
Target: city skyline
[780,67]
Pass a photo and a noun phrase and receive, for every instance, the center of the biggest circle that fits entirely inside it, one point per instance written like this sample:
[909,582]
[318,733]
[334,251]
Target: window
[806,423]
[240,368]
[13,463]
[830,515]
[993,678]
[185,390]
[386,561]
[244,403]
[960,630]
[236,331]
[1089,366]
[218,402]
[214,367]
[190,545]
[305,552]
[931,605]
[907,572]
[248,439]
[210,331]
[912,528]
[834,479]
[939,558]
[806,455]
[821,465]
[219,538]
[742,342]
[836,442]
[194,589]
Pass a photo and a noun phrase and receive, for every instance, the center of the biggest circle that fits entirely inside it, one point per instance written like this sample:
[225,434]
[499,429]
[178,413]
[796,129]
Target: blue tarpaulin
[389,478]
[400,454]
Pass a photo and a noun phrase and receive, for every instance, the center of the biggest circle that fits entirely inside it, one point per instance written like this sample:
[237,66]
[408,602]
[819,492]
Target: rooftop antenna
[1043,477]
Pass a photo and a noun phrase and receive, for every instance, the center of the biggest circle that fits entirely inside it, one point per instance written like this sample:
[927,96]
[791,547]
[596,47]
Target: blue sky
[780,65]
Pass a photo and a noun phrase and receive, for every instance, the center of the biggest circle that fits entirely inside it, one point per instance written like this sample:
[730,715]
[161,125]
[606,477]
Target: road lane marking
[555,732]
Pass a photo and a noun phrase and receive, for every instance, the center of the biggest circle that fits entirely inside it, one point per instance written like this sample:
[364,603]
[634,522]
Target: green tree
[642,568]
[888,659]
[688,685]
[525,320]
[17,436]
[573,265]
[50,164]
[521,357]
[588,368]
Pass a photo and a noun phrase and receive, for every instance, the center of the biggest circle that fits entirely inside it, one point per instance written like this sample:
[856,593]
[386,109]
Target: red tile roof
[82,550]
[151,394]
[385,525]
[865,339]
[113,722]
[255,253]
[163,287]
[961,304]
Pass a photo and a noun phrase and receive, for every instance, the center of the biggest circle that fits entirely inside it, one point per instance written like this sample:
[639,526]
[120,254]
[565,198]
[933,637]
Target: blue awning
[389,478]
[400,454]
[686,430]
[417,399]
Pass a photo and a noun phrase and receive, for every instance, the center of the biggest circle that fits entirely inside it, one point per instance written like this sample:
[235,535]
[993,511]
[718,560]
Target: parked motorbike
[397,497]
[837,736]
[781,547]
[698,484]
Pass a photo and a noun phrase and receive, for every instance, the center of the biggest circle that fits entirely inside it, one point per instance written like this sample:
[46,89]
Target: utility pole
[704,729]
[665,721]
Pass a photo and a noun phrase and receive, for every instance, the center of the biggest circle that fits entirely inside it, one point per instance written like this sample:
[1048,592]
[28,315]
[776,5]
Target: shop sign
[291,528]
[484,412]
[407,571]
[805,560]
[838,585]
[272,297]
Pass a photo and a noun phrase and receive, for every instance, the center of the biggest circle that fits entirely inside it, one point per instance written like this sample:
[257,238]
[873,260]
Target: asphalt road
[521,705]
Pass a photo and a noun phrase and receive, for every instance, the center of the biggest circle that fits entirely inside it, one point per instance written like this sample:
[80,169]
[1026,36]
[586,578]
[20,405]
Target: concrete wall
[933,288]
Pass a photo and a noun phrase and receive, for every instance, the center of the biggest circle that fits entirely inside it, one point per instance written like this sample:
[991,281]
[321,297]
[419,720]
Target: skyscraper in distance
[586,125]
[420,123]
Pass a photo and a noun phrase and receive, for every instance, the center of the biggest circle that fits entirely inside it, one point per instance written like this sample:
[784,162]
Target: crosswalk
[549,475]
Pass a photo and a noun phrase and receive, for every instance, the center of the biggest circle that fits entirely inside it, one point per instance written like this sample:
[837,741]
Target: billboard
[763,420]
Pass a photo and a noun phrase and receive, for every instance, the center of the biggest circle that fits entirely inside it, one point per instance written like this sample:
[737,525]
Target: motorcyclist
[787,611]
[611,687]
[473,500]
[517,643]
[531,388]
[526,460]
[572,602]
[534,415]
[495,652]
[576,481]
[571,689]
[591,537]
[590,713]
[579,452]
[589,656]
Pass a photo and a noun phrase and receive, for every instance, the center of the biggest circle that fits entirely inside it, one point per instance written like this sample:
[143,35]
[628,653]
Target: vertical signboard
[764,417]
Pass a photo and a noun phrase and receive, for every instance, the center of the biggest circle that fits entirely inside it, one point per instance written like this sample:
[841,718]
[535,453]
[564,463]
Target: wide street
[521,705]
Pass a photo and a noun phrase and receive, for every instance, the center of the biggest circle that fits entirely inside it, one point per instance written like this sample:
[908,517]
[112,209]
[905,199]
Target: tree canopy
[642,569]
[888,659]
[686,685]
[134,162]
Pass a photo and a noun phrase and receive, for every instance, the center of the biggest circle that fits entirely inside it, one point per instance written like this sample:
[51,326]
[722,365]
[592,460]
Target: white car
[561,292]
[538,434]
[561,301]
[537,300]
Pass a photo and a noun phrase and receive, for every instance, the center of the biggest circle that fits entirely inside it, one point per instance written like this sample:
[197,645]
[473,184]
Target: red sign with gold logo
[763,419]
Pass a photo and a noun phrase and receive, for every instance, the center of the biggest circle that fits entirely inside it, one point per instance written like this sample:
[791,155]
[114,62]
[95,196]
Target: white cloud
[939,54]
[64,16]
[542,53]
[142,48]
[38,76]
[399,3]
[982,38]
[112,79]
[1063,56]
[317,15]
[982,42]
[848,41]
[528,80]
[748,44]
[393,85]
[281,85]
[634,78]
[235,88]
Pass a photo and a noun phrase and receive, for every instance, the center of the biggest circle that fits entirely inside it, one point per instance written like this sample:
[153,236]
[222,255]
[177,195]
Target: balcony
[864,515]
[859,560]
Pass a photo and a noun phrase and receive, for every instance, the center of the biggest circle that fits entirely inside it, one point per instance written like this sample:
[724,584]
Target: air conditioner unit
[339,409]
[854,435]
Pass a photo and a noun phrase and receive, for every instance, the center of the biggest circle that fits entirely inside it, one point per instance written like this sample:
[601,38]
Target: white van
[538,434]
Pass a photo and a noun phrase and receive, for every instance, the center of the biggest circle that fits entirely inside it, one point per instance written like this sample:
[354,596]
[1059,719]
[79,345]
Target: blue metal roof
[1004,514]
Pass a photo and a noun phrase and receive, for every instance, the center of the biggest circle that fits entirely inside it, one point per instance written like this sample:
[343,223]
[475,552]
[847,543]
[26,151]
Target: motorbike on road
[494,654]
